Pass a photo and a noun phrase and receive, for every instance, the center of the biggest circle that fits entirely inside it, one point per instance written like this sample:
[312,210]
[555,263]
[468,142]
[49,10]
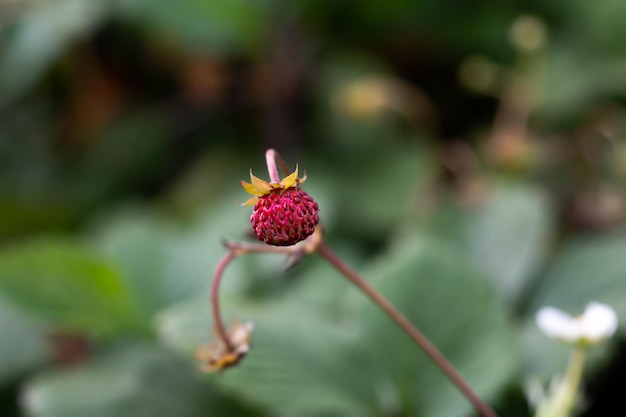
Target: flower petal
[598,322]
[557,325]
[290,180]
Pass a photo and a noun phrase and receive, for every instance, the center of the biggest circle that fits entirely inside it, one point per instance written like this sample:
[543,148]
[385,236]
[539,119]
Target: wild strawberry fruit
[283,214]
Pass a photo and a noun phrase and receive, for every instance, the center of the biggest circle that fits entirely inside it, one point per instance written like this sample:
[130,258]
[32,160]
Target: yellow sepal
[290,180]
[263,186]
[251,201]
[258,188]
[251,188]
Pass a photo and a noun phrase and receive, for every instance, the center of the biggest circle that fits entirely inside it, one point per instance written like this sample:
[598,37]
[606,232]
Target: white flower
[597,323]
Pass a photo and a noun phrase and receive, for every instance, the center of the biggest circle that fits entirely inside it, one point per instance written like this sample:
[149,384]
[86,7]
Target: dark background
[469,157]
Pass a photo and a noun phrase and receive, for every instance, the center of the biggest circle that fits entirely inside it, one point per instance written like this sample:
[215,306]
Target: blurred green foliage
[468,158]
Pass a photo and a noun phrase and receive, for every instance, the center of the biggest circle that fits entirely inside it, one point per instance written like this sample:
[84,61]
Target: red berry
[284,217]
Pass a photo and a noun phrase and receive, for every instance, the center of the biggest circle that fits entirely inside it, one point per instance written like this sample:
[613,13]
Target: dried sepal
[217,357]
[263,186]
[258,187]
[251,201]
[251,189]
[290,180]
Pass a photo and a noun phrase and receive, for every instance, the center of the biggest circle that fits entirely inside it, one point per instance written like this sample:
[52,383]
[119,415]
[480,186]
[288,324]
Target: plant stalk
[234,249]
[418,337]
[572,380]
[215,304]
[272,158]
[561,400]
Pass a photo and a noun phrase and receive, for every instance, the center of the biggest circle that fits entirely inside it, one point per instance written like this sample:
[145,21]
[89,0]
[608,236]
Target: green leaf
[577,76]
[299,364]
[591,270]
[218,25]
[304,365]
[66,285]
[381,193]
[324,292]
[140,246]
[307,363]
[454,306]
[506,234]
[22,345]
[165,263]
[127,381]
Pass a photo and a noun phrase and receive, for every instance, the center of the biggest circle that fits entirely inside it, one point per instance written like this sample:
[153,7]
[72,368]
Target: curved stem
[234,250]
[215,306]
[241,248]
[418,337]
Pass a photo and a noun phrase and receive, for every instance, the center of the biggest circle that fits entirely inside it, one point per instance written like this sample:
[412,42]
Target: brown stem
[422,341]
[241,248]
[235,249]
[215,306]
